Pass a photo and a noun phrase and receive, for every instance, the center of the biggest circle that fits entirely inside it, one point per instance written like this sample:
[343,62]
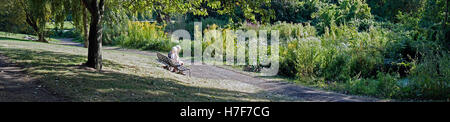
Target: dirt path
[276,87]
[16,86]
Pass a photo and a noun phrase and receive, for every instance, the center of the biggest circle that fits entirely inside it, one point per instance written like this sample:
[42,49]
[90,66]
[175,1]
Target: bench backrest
[167,61]
[164,59]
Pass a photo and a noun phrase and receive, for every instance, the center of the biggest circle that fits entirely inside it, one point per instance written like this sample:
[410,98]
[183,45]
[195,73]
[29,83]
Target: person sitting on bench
[173,54]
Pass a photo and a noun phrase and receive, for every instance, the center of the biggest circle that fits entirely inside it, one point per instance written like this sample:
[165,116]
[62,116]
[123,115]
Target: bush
[291,35]
[341,13]
[430,76]
[383,85]
[146,36]
[388,9]
[362,25]
[114,34]
[361,86]
[294,11]
[388,85]
[352,53]
[308,57]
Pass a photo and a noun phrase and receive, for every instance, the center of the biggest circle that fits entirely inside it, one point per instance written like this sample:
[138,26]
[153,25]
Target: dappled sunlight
[156,92]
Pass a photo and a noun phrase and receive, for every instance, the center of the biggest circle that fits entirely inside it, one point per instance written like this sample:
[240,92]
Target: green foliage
[146,36]
[296,11]
[308,57]
[347,53]
[11,19]
[384,85]
[388,9]
[250,9]
[289,36]
[354,62]
[340,13]
[429,77]
[189,24]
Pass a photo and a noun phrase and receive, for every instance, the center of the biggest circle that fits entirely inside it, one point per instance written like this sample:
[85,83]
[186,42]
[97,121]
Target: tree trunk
[95,43]
[167,18]
[32,22]
[41,37]
[85,28]
[96,9]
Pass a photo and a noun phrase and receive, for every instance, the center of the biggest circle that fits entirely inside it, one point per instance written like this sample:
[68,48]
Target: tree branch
[87,4]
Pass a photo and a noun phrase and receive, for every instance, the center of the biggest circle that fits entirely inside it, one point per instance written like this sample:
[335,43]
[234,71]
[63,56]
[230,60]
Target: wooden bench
[169,63]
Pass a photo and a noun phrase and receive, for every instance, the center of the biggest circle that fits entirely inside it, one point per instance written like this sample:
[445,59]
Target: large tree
[96,9]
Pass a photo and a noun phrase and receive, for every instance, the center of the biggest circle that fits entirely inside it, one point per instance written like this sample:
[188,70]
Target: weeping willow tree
[36,14]
[80,18]
[11,20]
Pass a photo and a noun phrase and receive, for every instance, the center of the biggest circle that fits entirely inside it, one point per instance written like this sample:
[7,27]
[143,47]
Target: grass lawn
[126,77]
[20,37]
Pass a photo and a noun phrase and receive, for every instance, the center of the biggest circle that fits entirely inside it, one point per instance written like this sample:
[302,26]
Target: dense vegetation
[348,47]
[385,48]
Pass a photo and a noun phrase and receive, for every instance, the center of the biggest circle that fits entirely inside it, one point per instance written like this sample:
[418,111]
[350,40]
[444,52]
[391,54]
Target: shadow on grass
[62,73]
[15,39]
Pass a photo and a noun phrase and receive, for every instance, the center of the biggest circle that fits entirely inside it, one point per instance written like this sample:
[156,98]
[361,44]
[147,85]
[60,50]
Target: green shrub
[294,11]
[335,66]
[114,34]
[383,85]
[430,76]
[341,13]
[352,53]
[308,57]
[361,86]
[388,9]
[291,37]
[146,36]
[362,24]
[388,85]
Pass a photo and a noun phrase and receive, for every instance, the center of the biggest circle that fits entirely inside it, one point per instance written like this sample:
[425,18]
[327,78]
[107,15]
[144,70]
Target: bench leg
[169,68]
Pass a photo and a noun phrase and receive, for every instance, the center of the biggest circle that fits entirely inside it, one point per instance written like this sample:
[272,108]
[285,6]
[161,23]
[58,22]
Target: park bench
[170,63]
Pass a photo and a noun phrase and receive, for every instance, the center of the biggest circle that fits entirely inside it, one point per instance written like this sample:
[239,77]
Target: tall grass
[139,35]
